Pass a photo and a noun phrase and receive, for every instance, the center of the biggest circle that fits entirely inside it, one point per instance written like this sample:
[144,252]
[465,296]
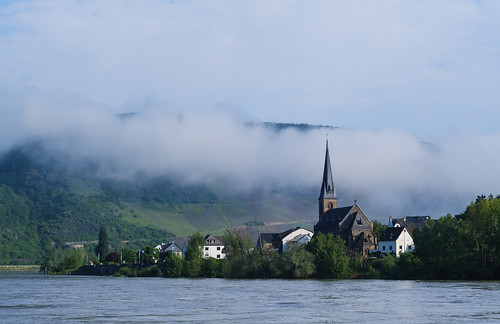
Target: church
[350,222]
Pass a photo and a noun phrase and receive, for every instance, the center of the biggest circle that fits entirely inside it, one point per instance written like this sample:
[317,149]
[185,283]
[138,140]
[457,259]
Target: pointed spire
[327,187]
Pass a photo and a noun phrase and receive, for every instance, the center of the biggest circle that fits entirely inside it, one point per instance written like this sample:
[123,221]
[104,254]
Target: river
[33,298]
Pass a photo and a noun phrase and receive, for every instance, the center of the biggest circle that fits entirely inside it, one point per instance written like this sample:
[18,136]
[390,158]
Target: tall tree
[330,257]
[193,258]
[445,250]
[102,248]
[240,253]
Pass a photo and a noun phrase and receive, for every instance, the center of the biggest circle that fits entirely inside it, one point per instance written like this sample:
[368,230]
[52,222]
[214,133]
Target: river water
[33,298]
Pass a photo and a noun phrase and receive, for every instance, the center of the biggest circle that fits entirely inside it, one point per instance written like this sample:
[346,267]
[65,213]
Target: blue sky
[393,73]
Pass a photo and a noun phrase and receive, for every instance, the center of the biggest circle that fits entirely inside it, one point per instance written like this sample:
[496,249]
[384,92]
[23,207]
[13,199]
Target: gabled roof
[327,186]
[392,233]
[211,240]
[171,247]
[337,214]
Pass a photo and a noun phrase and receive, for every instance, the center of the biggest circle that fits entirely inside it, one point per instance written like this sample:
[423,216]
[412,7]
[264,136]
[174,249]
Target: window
[383,248]
[218,248]
[400,247]
[390,247]
[218,256]
[206,248]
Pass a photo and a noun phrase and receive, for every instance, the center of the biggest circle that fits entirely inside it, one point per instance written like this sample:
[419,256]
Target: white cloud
[389,171]
[393,73]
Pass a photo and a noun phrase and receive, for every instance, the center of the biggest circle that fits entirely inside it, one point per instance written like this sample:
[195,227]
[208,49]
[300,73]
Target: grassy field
[20,268]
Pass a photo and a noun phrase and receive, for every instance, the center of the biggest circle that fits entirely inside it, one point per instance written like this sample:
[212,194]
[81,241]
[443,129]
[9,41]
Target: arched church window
[330,205]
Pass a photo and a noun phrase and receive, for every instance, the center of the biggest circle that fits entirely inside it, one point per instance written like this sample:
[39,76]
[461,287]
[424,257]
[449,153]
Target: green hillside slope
[41,203]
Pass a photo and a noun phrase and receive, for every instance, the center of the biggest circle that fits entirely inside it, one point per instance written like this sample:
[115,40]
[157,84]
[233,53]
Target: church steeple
[328,196]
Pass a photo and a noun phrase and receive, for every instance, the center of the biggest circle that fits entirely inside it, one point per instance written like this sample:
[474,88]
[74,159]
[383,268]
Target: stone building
[350,222]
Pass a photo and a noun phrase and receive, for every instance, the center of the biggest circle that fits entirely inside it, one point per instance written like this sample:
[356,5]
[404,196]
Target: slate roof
[211,240]
[391,233]
[171,247]
[327,186]
[337,214]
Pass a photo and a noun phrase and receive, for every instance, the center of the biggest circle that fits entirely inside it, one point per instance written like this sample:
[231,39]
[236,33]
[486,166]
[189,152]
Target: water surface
[26,298]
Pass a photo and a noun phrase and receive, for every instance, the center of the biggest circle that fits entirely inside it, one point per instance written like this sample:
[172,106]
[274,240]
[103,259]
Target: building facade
[396,240]
[282,241]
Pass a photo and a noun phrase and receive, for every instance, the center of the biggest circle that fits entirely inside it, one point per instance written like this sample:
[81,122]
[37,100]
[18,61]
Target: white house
[396,239]
[281,241]
[214,247]
[296,237]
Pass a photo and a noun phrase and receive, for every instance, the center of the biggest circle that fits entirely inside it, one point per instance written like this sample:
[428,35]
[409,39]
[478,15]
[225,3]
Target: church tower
[327,197]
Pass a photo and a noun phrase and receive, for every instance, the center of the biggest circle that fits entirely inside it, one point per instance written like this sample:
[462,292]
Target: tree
[330,257]
[71,259]
[193,258]
[48,260]
[102,248]
[239,252]
[129,256]
[171,267]
[149,255]
[408,266]
[482,223]
[112,257]
[378,229]
[445,250]
[297,262]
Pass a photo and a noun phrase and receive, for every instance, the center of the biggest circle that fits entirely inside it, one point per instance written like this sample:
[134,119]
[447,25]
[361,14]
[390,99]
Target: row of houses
[396,239]
[349,222]
[213,247]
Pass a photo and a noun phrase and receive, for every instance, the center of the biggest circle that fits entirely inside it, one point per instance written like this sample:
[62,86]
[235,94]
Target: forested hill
[42,203]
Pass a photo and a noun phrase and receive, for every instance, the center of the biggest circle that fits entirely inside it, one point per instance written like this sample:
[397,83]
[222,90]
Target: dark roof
[337,214]
[214,240]
[170,247]
[327,186]
[391,233]
[266,237]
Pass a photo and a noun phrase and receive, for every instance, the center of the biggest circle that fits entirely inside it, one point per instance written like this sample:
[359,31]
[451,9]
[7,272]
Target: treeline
[466,247]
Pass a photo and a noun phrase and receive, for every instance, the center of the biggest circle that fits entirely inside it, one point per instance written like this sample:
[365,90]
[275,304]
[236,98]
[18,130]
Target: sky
[413,86]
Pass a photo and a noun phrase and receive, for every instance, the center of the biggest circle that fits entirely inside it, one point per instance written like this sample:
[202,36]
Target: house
[214,247]
[410,222]
[172,246]
[396,239]
[350,222]
[281,241]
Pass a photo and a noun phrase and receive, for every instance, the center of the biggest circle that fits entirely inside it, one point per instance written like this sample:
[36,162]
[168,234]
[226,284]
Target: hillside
[41,203]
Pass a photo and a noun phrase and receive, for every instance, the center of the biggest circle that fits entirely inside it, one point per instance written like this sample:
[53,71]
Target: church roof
[327,186]
[338,214]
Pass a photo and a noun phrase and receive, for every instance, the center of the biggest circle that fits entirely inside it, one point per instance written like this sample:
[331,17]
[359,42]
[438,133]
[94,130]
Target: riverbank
[20,268]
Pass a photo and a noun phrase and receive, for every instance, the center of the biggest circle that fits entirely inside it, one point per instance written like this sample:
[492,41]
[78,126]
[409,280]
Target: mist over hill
[158,174]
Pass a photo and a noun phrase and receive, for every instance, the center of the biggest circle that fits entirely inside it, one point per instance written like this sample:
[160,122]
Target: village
[349,222]
[344,243]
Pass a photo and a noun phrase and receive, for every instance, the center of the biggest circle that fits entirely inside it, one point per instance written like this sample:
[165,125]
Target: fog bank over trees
[388,171]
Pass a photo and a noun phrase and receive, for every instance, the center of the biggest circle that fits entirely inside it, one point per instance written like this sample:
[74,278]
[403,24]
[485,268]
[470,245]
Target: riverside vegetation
[450,248]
